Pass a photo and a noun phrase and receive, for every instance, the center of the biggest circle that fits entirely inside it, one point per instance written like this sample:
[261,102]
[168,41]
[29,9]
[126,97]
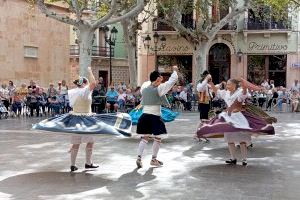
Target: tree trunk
[85,39]
[131,48]
[200,58]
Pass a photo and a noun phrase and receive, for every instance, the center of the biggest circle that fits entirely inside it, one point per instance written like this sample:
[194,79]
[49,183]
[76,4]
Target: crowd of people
[33,100]
[277,98]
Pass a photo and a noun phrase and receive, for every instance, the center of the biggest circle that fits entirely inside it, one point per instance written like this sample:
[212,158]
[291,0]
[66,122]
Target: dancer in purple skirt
[235,124]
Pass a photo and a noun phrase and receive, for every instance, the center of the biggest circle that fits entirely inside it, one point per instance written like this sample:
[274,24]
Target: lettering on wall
[179,49]
[253,46]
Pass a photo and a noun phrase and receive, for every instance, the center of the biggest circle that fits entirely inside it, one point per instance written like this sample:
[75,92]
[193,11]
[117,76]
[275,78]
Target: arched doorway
[219,62]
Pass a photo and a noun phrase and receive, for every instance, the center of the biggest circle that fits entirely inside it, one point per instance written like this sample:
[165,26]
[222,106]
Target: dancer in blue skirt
[83,123]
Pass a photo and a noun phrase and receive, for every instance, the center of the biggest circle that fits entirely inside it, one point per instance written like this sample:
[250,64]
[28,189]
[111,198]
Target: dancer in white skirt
[235,124]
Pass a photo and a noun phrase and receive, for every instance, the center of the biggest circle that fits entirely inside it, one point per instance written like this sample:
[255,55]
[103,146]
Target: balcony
[229,27]
[254,24]
[96,51]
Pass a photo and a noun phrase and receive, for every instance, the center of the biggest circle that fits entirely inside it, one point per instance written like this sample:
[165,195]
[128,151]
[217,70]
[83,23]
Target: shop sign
[254,46]
[178,49]
[296,65]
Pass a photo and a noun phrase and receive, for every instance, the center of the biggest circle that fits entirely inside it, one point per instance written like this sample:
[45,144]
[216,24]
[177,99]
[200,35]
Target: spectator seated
[112,100]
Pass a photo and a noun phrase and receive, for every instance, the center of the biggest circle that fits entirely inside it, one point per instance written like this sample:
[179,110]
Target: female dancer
[83,122]
[150,123]
[235,124]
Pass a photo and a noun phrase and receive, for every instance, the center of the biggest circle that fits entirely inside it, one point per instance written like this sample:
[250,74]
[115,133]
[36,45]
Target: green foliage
[275,9]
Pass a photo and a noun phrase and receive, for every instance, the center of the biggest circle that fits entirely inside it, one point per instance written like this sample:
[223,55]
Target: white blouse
[80,99]
[237,119]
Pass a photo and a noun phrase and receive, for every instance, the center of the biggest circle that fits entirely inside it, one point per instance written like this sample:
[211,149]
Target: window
[30,52]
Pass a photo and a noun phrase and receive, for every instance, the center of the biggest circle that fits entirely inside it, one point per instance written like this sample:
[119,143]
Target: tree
[86,16]
[130,28]
[205,27]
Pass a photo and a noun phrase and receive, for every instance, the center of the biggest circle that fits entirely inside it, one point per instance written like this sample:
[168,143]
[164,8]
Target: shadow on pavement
[126,186]
[33,185]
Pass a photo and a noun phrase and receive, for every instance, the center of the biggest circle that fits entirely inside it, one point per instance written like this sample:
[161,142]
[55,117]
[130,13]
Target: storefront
[269,56]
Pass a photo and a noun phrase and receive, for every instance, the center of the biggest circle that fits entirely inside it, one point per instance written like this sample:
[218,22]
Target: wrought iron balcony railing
[191,24]
[96,51]
[255,24]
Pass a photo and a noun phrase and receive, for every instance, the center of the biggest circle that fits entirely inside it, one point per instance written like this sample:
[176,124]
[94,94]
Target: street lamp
[156,48]
[111,41]
[240,55]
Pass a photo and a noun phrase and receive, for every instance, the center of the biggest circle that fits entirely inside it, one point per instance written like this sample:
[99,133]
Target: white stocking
[155,147]
[231,147]
[88,155]
[141,147]
[73,152]
[244,151]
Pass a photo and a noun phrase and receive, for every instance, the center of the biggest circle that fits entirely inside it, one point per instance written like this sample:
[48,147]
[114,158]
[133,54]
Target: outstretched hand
[175,68]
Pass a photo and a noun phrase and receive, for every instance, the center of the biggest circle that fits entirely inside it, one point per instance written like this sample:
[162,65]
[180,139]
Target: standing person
[203,88]
[295,100]
[296,86]
[81,100]
[150,123]
[234,123]
[12,89]
[81,122]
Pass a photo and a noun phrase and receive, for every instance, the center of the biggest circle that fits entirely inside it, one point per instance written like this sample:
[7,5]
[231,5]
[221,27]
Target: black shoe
[244,162]
[231,161]
[91,166]
[73,168]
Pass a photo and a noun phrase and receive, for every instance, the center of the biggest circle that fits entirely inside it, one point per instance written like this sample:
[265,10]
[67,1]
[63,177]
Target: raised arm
[91,78]
[165,87]
[202,85]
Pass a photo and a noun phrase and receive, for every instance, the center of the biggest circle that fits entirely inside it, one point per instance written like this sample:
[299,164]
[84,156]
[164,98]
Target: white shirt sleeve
[201,87]
[242,97]
[221,94]
[164,88]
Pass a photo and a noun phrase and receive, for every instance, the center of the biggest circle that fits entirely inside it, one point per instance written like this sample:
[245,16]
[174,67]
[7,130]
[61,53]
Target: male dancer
[150,123]
[204,96]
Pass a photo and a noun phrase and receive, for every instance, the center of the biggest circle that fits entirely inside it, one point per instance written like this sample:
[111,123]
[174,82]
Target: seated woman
[112,99]
[17,104]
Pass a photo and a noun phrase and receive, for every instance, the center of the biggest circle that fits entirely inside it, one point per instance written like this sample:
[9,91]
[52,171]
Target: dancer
[203,89]
[235,124]
[150,123]
[83,122]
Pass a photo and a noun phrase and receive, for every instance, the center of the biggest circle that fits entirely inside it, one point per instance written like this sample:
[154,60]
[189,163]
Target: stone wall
[20,27]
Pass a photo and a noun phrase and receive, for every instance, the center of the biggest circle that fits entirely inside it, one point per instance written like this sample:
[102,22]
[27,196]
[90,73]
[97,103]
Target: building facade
[251,47]
[29,49]
[101,57]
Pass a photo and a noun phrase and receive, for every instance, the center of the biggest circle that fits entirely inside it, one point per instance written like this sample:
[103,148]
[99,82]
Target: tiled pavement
[34,165]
